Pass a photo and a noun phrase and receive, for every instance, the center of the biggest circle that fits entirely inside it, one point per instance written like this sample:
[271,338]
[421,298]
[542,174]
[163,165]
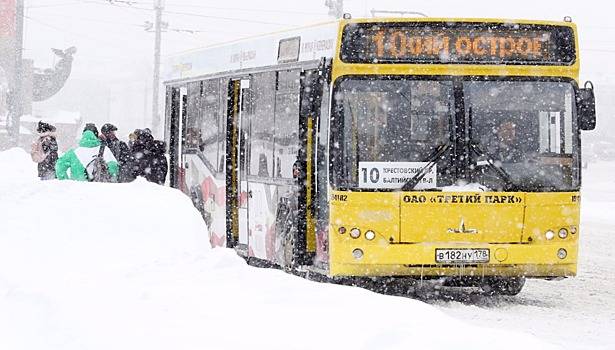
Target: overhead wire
[245,9]
[226,18]
[29,7]
[126,6]
[98,40]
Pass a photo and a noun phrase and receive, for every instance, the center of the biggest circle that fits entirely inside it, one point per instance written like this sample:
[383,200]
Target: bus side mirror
[586,107]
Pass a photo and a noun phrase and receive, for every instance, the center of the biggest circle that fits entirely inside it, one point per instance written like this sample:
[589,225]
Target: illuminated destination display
[457,43]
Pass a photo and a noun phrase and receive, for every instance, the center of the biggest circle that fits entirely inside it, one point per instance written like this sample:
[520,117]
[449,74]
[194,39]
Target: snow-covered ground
[127,266]
[576,313]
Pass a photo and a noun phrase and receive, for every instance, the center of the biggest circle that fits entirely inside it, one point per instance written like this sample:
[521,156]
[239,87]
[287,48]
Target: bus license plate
[462,255]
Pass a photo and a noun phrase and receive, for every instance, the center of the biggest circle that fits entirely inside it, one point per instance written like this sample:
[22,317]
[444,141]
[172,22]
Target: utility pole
[158,7]
[17,90]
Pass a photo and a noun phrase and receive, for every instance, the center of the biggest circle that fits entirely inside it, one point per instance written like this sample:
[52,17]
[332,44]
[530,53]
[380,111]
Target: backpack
[36,151]
[97,170]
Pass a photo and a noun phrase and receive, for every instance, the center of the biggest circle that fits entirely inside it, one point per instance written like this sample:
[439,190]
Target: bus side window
[193,116]
[222,111]
[261,147]
[286,140]
[209,126]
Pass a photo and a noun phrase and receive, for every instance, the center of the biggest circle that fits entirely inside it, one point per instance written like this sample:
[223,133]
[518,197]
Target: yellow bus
[444,149]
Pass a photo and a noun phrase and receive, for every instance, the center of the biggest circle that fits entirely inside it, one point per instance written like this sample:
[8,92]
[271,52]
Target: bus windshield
[520,134]
[526,129]
[393,126]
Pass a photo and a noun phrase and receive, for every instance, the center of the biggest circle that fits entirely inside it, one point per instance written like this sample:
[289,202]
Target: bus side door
[237,186]
[312,81]
[175,134]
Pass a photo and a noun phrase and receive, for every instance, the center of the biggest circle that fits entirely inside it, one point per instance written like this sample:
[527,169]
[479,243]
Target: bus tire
[503,285]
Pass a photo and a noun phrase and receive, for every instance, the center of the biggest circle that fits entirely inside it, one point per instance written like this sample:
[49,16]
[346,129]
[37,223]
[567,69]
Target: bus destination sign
[468,43]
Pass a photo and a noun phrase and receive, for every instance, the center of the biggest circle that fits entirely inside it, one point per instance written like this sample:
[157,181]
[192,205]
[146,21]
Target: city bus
[388,148]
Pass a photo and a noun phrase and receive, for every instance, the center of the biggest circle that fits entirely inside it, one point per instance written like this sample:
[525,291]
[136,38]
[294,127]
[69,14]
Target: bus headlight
[549,235]
[369,235]
[563,233]
[357,253]
[355,233]
[573,229]
[341,230]
[562,253]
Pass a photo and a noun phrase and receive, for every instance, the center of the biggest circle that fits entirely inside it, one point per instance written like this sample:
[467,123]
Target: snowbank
[127,266]
[16,167]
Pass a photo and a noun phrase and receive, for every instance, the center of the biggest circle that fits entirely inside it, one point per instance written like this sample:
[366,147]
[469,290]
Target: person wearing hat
[120,151]
[45,151]
[92,127]
[81,161]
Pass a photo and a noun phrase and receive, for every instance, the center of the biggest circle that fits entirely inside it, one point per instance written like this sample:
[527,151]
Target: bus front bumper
[419,260]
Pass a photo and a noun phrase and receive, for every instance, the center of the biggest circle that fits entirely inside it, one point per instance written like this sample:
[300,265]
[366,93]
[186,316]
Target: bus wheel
[503,285]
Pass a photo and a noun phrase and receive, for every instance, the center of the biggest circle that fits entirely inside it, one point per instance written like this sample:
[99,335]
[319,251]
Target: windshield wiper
[502,174]
[432,160]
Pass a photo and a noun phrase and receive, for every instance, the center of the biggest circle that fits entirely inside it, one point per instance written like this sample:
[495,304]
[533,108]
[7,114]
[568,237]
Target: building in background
[7,54]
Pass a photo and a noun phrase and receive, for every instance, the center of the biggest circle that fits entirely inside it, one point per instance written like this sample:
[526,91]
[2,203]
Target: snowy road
[576,313]
[98,266]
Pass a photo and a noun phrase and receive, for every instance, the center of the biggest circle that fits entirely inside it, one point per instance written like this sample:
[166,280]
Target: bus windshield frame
[468,120]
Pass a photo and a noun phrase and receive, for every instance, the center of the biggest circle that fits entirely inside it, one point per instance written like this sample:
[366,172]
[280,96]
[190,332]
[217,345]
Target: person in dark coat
[149,157]
[141,154]
[158,163]
[47,138]
[120,151]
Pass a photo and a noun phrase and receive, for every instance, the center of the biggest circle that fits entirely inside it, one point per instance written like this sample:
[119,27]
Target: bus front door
[309,115]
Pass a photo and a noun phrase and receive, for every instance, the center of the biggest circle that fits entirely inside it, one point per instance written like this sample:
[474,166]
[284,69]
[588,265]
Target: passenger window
[193,116]
[222,110]
[261,150]
[209,127]
[286,140]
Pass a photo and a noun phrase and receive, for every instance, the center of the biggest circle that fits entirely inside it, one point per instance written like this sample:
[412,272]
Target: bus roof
[300,44]
[293,45]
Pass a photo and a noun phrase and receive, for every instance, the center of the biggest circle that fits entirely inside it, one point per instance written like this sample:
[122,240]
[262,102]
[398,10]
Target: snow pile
[127,266]
[16,167]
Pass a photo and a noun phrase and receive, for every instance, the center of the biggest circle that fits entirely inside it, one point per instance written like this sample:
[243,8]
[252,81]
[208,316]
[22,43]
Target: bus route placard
[393,175]
[470,43]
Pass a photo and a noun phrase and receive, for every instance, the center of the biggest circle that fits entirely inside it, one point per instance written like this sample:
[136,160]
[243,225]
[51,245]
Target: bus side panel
[264,242]
[199,161]
[208,194]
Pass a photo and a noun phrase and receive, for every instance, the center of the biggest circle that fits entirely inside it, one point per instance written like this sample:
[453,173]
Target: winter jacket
[122,154]
[149,159]
[46,168]
[159,165]
[141,153]
[78,158]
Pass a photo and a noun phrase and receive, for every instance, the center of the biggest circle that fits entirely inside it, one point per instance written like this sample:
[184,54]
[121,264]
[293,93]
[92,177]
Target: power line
[226,18]
[93,20]
[235,19]
[247,10]
[235,9]
[98,40]
[107,3]
[51,5]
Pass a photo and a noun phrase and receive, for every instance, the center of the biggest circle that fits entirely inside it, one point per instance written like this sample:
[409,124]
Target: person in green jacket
[78,158]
